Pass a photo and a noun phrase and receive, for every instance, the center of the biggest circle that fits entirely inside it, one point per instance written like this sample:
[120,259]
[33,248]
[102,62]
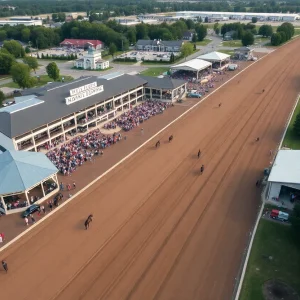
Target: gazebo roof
[192,65]
[214,56]
[20,170]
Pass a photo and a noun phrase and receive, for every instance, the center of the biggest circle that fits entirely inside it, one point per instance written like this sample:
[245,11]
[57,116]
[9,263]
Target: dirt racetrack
[161,230]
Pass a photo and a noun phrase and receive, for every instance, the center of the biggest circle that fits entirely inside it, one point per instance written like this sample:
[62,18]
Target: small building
[81,44]
[243,53]
[164,89]
[188,35]
[159,45]
[92,61]
[229,35]
[284,178]
[25,178]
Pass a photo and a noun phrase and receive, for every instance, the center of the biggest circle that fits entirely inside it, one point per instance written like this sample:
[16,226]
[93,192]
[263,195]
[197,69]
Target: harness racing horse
[88,221]
[157,144]
[202,169]
[170,138]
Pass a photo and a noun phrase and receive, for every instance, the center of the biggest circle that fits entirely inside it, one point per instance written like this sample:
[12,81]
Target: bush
[126,59]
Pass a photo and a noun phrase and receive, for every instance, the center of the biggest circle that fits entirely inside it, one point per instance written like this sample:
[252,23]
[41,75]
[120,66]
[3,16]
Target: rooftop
[192,65]
[162,83]
[286,168]
[20,170]
[18,121]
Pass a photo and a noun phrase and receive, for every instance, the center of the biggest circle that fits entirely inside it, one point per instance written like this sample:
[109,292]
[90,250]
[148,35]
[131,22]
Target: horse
[201,169]
[171,138]
[263,90]
[88,221]
[220,104]
[257,139]
[157,144]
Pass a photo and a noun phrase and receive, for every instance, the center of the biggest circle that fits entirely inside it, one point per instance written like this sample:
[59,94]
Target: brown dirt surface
[161,230]
[277,290]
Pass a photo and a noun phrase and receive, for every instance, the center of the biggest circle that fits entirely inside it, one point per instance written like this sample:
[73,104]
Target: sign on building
[83,92]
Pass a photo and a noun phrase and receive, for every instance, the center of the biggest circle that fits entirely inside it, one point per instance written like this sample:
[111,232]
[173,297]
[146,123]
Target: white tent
[214,57]
[195,65]
[285,172]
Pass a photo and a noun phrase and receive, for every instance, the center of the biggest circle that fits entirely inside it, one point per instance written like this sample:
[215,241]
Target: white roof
[192,65]
[214,56]
[286,167]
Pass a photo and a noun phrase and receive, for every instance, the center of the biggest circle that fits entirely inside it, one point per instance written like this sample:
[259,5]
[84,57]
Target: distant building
[92,61]
[159,45]
[228,36]
[188,35]
[69,18]
[82,44]
[21,21]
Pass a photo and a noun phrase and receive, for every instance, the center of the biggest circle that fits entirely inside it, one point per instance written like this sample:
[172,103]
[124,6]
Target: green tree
[3,35]
[25,34]
[248,39]
[217,31]
[288,29]
[295,221]
[32,62]
[201,32]
[21,75]
[172,58]
[6,62]
[194,38]
[2,98]
[112,49]
[53,71]
[254,20]
[275,39]
[27,50]
[265,30]
[216,25]
[141,31]
[296,125]
[14,48]
[186,49]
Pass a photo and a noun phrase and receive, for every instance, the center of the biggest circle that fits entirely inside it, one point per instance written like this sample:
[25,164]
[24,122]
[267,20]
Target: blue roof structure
[21,170]
[6,143]
[21,105]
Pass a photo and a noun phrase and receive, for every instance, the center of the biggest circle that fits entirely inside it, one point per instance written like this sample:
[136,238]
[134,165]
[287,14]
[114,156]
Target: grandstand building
[45,116]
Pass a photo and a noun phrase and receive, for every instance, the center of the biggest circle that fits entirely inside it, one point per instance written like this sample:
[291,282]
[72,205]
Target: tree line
[246,32]
[129,7]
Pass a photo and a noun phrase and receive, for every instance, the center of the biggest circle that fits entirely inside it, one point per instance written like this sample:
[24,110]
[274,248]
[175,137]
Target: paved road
[161,230]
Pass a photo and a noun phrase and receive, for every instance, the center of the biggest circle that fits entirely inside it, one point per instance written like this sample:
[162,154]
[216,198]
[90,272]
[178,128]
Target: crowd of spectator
[203,84]
[75,152]
[80,149]
[138,115]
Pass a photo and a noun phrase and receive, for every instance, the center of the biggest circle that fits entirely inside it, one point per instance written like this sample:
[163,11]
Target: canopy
[214,56]
[20,170]
[192,65]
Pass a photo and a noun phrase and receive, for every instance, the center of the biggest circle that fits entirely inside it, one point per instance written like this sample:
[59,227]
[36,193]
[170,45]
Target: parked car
[194,95]
[30,210]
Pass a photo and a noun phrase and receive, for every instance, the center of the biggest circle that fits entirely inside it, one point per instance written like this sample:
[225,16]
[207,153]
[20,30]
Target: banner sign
[84,92]
[83,88]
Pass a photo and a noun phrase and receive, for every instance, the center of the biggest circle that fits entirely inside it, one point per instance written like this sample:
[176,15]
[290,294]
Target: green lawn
[291,140]
[297,31]
[155,71]
[124,62]
[234,43]
[43,80]
[203,43]
[272,239]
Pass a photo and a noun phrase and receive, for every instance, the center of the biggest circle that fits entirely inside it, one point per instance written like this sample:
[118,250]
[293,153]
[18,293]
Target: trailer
[279,215]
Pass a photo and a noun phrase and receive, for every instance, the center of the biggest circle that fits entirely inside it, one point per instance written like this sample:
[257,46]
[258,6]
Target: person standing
[61,186]
[74,185]
[26,221]
[4,265]
[43,209]
[202,169]
[32,219]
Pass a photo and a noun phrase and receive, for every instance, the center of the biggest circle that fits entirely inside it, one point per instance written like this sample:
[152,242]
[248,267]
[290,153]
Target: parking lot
[59,51]
[148,55]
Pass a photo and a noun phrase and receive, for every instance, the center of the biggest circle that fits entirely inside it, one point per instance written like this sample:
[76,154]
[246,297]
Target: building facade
[92,61]
[46,116]
[82,44]
[159,45]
